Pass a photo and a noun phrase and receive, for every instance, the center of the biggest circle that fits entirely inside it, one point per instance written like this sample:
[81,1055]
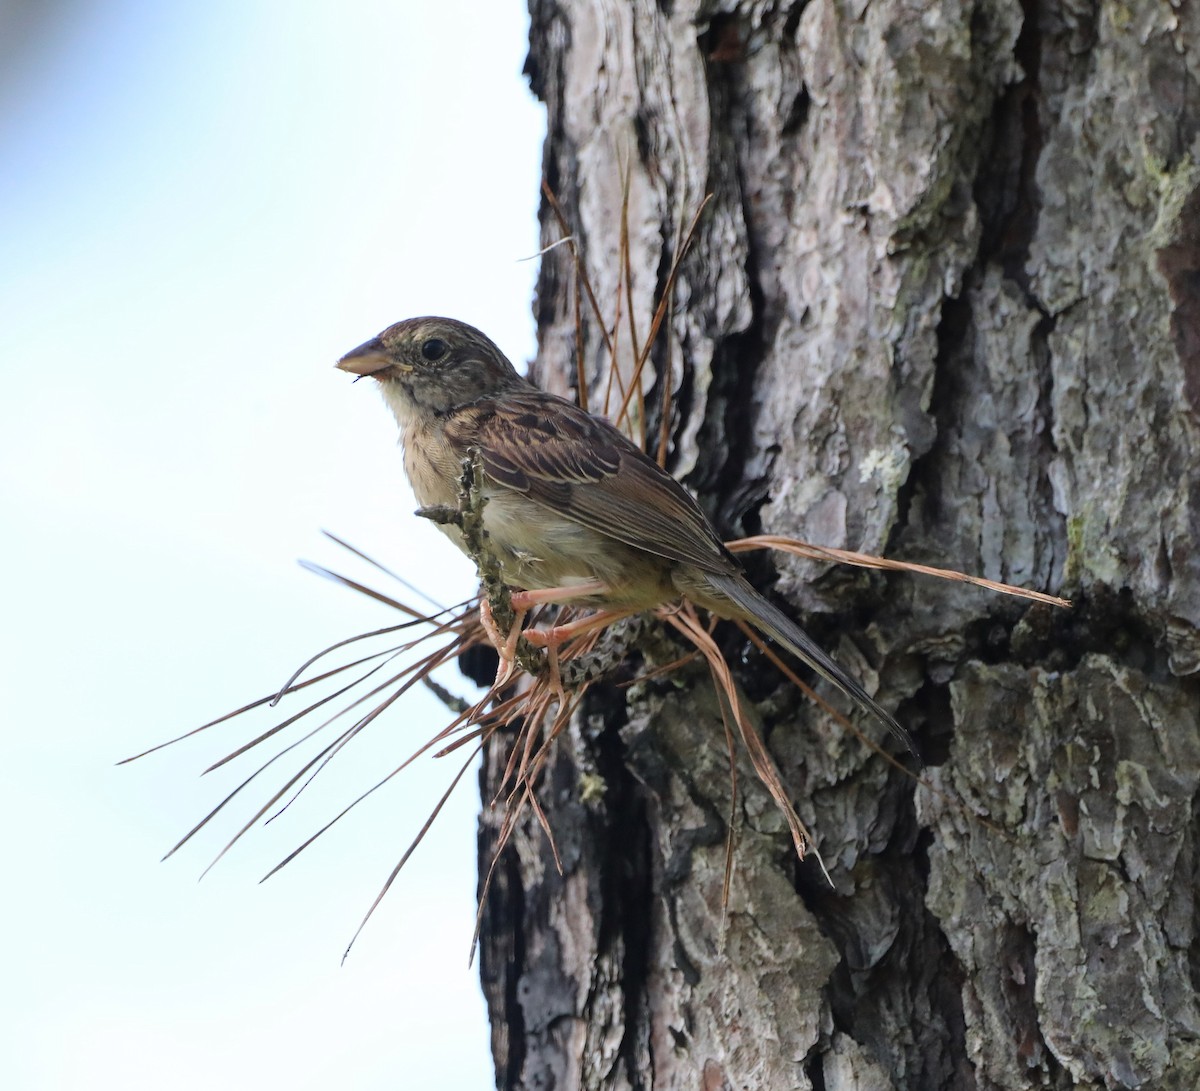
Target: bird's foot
[557,634]
[554,682]
[550,638]
[505,645]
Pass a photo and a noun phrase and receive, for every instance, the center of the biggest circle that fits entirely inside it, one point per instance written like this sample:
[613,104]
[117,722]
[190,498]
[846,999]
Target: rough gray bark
[944,305]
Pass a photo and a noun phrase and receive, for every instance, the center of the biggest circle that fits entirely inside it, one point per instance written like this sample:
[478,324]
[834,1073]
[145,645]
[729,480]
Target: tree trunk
[944,305]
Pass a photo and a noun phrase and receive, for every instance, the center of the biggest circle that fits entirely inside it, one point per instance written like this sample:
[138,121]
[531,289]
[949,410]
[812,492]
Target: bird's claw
[505,645]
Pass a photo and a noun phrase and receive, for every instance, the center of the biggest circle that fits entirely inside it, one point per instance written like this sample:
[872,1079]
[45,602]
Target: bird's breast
[432,466]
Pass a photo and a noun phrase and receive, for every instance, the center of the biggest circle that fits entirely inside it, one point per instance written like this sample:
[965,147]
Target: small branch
[442,514]
[611,650]
[468,517]
[451,700]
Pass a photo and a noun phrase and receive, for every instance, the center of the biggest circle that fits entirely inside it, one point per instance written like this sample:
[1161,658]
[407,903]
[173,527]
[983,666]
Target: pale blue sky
[202,205]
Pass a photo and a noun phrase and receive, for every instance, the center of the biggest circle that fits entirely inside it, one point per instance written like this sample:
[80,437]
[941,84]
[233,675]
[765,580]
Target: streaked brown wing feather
[583,468]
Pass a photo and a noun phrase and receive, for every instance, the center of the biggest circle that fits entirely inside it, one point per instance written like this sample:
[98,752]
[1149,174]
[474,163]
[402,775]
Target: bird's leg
[506,646]
[524,600]
[556,634]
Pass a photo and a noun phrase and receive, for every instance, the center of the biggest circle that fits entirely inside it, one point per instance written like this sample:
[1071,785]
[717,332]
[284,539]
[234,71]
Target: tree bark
[944,305]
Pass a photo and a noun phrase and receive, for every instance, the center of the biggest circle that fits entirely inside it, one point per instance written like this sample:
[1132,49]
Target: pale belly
[538,550]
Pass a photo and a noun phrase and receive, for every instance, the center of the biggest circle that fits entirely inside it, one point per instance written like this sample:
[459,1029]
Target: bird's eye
[434,349]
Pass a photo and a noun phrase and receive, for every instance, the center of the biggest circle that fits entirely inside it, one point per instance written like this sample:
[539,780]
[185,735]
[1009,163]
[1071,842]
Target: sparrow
[573,507]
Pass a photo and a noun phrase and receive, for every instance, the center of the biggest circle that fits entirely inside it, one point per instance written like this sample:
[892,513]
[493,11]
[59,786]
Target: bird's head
[436,363]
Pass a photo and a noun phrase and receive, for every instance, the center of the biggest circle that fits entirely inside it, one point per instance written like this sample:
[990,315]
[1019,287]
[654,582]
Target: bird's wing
[581,467]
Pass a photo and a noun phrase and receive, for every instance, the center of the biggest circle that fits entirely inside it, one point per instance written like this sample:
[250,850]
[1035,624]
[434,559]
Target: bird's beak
[368,359]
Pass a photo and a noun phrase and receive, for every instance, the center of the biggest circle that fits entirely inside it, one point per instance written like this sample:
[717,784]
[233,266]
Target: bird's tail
[777,625]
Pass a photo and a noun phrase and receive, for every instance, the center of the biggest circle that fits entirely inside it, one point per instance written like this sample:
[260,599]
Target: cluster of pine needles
[534,700]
